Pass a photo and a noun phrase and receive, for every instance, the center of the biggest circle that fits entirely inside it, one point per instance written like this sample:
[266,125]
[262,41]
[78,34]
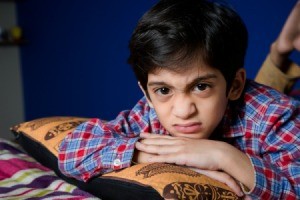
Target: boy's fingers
[150,135]
[158,141]
[162,148]
[223,178]
[169,158]
[297,43]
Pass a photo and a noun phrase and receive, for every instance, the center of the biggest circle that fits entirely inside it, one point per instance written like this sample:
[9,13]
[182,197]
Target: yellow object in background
[16,33]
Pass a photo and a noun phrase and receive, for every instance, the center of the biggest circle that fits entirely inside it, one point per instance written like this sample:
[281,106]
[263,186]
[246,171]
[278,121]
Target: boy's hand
[201,154]
[223,178]
[195,153]
[141,156]
[288,40]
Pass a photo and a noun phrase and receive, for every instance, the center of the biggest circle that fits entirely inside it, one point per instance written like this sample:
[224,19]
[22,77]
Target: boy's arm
[278,71]
[96,147]
[203,154]
[276,163]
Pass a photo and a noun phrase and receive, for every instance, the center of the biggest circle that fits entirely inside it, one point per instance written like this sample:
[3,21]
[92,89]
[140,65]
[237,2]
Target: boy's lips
[188,128]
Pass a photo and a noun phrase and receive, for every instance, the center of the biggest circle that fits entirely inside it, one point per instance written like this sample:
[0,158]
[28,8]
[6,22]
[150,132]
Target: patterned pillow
[41,139]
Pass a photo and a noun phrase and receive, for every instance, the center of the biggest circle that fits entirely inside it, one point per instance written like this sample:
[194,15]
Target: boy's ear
[146,95]
[238,85]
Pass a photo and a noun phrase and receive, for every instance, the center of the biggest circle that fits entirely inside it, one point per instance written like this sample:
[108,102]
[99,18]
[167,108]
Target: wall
[11,98]
[75,62]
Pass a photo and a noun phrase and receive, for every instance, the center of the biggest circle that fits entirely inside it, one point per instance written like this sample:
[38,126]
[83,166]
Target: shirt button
[117,162]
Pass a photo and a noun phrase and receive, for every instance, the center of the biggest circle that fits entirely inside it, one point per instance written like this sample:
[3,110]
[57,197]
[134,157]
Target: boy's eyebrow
[202,78]
[195,81]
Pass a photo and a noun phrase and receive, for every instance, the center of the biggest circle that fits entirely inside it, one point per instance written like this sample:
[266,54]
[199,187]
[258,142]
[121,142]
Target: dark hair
[175,32]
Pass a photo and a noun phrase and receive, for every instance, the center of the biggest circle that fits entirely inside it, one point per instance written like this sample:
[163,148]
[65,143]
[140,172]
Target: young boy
[198,111]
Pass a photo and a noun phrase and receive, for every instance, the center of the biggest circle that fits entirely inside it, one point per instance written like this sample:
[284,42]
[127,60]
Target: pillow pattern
[42,137]
[48,131]
[174,182]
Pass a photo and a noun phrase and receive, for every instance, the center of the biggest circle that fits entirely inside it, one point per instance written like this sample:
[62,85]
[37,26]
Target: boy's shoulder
[261,100]
[256,92]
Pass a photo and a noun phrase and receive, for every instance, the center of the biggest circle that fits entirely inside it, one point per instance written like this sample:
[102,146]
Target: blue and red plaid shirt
[266,127]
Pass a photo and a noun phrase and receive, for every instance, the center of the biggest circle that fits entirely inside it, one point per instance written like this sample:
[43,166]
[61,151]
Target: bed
[22,177]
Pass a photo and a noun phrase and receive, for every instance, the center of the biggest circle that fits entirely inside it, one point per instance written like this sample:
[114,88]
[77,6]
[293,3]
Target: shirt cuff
[123,154]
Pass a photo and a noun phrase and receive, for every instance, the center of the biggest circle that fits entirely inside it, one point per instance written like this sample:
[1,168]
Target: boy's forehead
[193,68]
[185,76]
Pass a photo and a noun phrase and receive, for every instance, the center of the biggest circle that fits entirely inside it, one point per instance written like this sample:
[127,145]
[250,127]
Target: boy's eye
[201,87]
[163,91]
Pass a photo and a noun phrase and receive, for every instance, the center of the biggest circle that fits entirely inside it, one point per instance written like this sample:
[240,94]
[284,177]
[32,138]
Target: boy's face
[190,103]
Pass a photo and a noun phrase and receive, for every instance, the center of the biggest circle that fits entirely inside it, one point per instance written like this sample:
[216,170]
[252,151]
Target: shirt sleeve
[272,76]
[277,167]
[97,147]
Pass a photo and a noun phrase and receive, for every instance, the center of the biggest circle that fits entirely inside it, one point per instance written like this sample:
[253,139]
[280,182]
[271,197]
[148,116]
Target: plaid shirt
[266,128]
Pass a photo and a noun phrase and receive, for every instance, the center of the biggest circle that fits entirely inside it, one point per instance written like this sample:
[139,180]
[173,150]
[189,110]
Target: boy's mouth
[188,128]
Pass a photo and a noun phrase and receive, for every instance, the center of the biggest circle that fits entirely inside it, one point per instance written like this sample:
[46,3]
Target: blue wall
[75,61]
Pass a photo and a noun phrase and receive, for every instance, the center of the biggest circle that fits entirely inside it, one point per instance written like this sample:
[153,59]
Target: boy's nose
[183,107]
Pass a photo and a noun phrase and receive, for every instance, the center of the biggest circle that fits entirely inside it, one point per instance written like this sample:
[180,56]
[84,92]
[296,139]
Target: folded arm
[96,147]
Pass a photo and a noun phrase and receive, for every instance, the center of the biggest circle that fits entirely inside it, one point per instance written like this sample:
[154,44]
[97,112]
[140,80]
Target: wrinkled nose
[183,106]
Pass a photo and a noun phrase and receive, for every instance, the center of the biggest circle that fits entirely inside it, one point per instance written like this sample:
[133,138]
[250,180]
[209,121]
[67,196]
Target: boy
[198,111]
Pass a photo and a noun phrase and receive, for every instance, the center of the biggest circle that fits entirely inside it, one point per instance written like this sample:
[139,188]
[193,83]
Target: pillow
[41,139]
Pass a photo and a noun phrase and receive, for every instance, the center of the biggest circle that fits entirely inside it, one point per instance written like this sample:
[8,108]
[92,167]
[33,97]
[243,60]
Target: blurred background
[69,57]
